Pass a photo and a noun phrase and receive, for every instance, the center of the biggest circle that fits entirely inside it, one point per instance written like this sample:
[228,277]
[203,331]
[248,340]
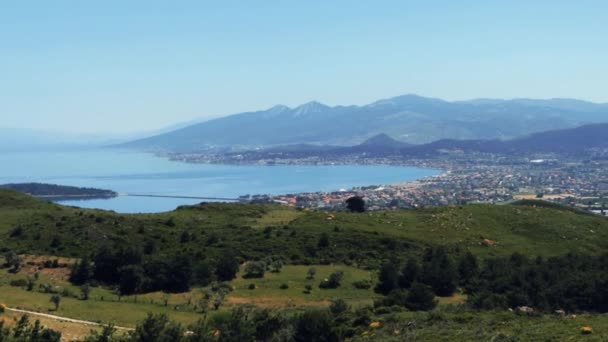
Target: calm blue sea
[132,172]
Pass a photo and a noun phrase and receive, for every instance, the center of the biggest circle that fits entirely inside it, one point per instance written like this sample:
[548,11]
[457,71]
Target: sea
[129,172]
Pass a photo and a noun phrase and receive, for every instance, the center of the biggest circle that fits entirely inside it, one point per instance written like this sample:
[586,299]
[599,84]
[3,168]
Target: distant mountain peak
[278,108]
[310,107]
[405,99]
[383,140]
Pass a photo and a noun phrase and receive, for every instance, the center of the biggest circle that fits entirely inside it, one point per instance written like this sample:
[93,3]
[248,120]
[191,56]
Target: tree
[355,204]
[237,327]
[218,299]
[30,284]
[179,274]
[333,281]
[323,241]
[13,261]
[315,325]
[276,265]
[104,336]
[24,331]
[203,273]
[85,291]
[203,302]
[166,297]
[56,299]
[420,298]
[267,324]
[338,307]
[157,328]
[227,267]
[131,279]
[387,278]
[21,327]
[81,272]
[467,269]
[409,273]
[106,265]
[310,274]
[439,272]
[254,269]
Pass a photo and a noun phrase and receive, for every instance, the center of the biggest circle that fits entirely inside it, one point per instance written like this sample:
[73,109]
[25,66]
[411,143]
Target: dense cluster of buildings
[468,178]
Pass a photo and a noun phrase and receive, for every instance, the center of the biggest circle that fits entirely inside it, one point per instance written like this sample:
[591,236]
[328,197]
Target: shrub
[362,284]
[396,297]
[420,297]
[310,274]
[333,281]
[338,306]
[307,289]
[18,282]
[254,269]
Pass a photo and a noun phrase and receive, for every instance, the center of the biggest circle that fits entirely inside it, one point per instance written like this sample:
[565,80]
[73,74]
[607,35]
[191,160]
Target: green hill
[31,226]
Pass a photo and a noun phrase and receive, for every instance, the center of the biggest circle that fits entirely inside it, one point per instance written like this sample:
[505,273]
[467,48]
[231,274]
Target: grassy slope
[450,324]
[256,230]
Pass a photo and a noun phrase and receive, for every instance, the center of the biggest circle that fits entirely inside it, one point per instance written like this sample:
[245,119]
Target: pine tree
[409,273]
[420,298]
[387,278]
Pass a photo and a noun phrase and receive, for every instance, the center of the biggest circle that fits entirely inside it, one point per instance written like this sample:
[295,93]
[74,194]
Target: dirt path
[60,318]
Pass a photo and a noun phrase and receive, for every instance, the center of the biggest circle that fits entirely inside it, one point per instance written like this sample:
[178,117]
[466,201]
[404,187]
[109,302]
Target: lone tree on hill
[355,204]
[56,299]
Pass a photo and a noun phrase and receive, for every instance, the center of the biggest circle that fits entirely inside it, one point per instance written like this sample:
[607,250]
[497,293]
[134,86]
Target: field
[447,323]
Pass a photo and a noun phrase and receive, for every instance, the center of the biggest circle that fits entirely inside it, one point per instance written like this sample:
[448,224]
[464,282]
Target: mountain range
[409,118]
[573,141]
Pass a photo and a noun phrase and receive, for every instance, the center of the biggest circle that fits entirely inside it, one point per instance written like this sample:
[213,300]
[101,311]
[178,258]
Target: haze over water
[132,172]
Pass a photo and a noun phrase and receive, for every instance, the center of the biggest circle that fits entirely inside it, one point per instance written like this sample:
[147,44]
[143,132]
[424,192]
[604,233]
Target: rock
[525,309]
[488,242]
[374,325]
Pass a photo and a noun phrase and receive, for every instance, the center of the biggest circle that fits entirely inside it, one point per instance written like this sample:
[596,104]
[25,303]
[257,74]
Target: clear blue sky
[119,66]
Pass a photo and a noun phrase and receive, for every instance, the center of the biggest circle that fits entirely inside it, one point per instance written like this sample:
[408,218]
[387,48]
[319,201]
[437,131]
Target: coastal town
[466,178]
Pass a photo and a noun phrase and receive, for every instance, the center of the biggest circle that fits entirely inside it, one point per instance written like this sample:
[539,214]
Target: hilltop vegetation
[32,226]
[58,191]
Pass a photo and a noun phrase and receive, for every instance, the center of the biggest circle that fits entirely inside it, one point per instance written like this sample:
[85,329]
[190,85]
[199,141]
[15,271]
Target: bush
[362,284]
[19,283]
[333,281]
[396,297]
[420,298]
[227,267]
[307,289]
[254,269]
[284,286]
[338,306]
[310,274]
[251,286]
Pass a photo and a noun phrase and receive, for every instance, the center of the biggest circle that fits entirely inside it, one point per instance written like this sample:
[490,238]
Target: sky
[118,66]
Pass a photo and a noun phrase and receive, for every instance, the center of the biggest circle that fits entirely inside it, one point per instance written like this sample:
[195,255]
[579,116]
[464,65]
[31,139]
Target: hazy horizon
[141,66]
